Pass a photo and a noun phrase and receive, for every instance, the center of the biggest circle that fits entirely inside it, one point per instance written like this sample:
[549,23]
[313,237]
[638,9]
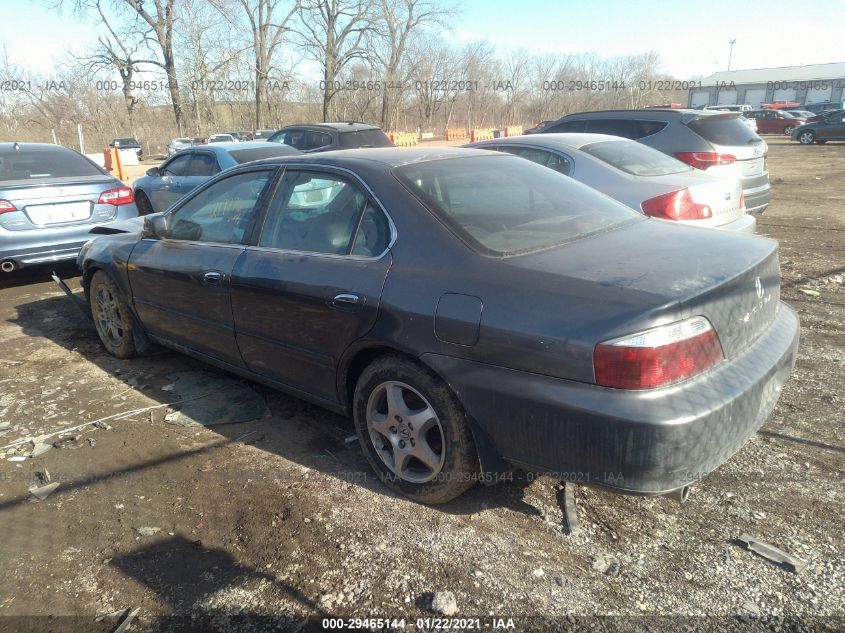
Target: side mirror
[155,226]
[153,171]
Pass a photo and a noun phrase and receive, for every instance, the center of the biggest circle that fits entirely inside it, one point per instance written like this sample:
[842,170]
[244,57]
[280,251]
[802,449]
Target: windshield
[50,163]
[635,158]
[363,138]
[724,130]
[512,206]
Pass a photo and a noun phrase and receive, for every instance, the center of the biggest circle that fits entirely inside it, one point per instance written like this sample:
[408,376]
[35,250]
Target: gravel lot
[276,523]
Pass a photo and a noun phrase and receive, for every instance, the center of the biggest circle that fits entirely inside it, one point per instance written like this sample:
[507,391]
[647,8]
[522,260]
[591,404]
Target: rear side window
[627,128]
[179,166]
[635,158]
[566,126]
[48,163]
[203,165]
[316,140]
[260,153]
[363,138]
[530,209]
[724,130]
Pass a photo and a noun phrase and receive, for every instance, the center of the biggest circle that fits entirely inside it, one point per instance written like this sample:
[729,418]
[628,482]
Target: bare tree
[333,33]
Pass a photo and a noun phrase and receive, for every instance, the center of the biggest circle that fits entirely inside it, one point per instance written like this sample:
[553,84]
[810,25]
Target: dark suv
[718,142]
[322,137]
[831,127]
[128,143]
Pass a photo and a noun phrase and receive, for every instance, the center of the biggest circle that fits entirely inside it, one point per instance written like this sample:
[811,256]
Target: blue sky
[692,38]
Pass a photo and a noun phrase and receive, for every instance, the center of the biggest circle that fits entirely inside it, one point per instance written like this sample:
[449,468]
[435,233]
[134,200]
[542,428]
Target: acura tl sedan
[50,199]
[638,176]
[474,312]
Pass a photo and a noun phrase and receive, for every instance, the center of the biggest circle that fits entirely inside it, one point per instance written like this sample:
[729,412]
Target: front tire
[111,316]
[807,138]
[414,431]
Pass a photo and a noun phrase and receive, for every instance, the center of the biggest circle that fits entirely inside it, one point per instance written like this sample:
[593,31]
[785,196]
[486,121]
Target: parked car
[221,138]
[774,121]
[821,116]
[801,114]
[717,142]
[261,135]
[128,143]
[50,198]
[322,137]
[556,330]
[178,144]
[200,140]
[175,177]
[539,127]
[638,176]
[731,107]
[831,128]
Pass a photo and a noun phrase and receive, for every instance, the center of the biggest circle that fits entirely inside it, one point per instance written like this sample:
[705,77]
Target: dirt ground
[277,523]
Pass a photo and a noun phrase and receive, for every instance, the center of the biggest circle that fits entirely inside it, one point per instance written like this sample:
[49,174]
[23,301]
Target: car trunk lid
[54,202]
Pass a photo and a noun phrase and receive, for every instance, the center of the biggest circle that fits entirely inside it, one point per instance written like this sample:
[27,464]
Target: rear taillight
[657,357]
[6,206]
[677,205]
[742,201]
[705,160]
[117,196]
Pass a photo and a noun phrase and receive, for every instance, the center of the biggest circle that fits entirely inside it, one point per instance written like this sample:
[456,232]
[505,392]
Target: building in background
[815,87]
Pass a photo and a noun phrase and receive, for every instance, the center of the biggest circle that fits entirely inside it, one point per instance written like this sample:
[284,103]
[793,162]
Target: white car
[221,138]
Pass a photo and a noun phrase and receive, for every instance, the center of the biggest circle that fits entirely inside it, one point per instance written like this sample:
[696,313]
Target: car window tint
[635,158]
[316,140]
[203,165]
[258,153]
[531,209]
[313,212]
[363,138]
[179,166]
[373,234]
[647,128]
[541,157]
[617,127]
[220,213]
[724,130]
[567,126]
[295,138]
[26,164]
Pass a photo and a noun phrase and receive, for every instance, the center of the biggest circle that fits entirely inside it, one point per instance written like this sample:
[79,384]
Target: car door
[169,186]
[180,282]
[312,284]
[833,128]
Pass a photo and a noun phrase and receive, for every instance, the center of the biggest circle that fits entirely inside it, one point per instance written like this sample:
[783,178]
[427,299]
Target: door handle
[346,300]
[212,277]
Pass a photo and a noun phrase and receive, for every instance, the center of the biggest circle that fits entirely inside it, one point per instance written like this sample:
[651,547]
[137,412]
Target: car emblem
[758,285]
[728,195]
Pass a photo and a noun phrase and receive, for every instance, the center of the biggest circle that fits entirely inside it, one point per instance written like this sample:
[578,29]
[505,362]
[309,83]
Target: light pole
[731,41]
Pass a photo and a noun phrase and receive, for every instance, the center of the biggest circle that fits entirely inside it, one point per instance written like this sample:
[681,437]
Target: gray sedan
[50,198]
[639,176]
[189,168]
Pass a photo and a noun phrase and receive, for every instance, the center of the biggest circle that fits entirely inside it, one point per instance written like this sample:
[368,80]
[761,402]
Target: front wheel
[111,316]
[413,431]
[807,138]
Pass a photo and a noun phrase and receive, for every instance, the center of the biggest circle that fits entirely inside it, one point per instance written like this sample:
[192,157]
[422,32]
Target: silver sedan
[639,176]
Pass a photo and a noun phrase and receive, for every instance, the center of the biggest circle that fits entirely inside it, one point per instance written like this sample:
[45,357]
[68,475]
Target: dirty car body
[540,305]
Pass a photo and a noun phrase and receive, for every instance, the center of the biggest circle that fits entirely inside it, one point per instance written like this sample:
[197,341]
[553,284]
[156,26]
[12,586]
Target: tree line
[156,69]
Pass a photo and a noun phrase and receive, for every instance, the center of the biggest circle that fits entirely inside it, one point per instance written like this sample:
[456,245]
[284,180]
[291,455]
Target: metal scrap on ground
[772,553]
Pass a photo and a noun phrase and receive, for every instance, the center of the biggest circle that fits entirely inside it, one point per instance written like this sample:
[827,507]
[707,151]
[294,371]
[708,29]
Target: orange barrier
[111,158]
[455,133]
[513,130]
[481,134]
[403,139]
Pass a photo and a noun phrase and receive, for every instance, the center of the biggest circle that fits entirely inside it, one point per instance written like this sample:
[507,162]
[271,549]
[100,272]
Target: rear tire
[788,129]
[414,431]
[112,318]
[807,138]
[143,203]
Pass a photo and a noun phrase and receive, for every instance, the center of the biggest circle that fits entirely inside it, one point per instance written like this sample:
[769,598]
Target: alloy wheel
[806,138]
[107,316]
[406,432]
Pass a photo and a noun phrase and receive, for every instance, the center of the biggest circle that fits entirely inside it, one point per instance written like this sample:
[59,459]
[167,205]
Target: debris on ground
[444,602]
[42,492]
[772,553]
[606,564]
[809,292]
[147,531]
[208,399]
[68,441]
[127,621]
[570,510]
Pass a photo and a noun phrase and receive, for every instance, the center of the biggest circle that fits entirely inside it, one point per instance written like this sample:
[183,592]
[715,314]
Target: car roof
[683,114]
[340,126]
[386,156]
[565,140]
[33,147]
[231,146]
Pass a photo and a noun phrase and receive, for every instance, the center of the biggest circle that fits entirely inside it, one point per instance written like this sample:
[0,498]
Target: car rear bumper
[53,244]
[645,442]
[747,223]
[757,198]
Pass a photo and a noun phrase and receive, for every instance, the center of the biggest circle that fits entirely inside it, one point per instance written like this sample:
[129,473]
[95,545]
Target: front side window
[511,207]
[222,212]
[179,166]
[317,212]
[635,158]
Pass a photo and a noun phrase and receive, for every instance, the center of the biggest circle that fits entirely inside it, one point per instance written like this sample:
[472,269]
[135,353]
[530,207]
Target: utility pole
[731,41]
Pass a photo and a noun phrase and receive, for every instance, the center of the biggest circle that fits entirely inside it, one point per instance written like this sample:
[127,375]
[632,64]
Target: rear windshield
[46,163]
[724,130]
[504,205]
[635,158]
[363,138]
[258,153]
